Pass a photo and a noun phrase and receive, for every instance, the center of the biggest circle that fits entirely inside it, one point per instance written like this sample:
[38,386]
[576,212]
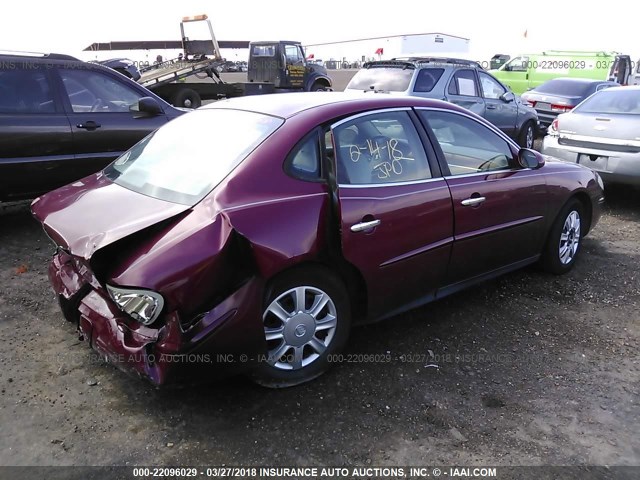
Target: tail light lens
[553,128]
[561,108]
[531,102]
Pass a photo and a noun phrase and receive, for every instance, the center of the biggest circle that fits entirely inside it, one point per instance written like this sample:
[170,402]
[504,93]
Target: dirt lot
[528,369]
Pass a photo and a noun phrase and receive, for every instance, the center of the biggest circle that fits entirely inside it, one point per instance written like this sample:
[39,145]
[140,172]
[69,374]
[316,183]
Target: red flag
[311,56]
[380,51]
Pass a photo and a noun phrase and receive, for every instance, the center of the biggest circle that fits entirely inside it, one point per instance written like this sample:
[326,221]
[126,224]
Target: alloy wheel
[299,326]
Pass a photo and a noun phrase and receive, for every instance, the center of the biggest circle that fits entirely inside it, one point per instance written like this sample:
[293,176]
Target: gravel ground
[529,369]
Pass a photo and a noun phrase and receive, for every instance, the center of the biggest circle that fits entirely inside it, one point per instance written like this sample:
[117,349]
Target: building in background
[355,52]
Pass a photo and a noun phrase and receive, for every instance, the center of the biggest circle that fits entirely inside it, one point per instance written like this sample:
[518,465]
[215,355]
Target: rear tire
[527,135]
[306,318]
[565,239]
[187,98]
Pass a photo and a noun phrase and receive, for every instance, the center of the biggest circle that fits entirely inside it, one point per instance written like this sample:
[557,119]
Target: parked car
[62,119]
[310,213]
[602,133]
[228,66]
[560,95]
[122,65]
[462,82]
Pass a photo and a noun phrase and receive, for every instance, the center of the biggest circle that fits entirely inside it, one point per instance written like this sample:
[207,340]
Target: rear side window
[427,79]
[25,91]
[304,160]
[390,79]
[464,83]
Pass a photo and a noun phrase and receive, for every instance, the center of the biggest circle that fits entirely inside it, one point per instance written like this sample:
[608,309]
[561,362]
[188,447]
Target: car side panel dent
[303,230]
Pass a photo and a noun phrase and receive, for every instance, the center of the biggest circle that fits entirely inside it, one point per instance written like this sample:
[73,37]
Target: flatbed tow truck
[278,66]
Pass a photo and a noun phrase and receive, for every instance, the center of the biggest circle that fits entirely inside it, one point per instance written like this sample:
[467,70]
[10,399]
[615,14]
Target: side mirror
[528,158]
[148,106]
[507,97]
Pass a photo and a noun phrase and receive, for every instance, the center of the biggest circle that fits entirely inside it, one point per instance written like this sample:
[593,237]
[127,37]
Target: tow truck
[278,66]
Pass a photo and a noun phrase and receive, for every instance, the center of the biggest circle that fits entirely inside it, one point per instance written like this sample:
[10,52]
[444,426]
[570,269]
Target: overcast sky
[494,26]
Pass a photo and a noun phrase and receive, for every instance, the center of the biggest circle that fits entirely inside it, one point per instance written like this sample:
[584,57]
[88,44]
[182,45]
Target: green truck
[525,72]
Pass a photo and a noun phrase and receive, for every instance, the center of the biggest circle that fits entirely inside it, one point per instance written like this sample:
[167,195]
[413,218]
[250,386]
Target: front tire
[306,318]
[527,135]
[318,87]
[565,239]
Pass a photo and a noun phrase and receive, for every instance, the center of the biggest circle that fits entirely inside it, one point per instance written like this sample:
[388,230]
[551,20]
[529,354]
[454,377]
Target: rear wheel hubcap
[299,326]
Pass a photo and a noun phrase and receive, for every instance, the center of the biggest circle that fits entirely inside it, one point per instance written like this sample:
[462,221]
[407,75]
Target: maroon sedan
[250,234]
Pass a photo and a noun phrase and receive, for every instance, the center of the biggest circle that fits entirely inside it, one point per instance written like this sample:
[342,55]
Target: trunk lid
[94,212]
[617,132]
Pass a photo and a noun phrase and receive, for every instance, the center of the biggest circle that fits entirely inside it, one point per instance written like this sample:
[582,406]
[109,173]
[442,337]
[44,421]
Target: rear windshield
[390,79]
[625,101]
[185,159]
[263,50]
[567,88]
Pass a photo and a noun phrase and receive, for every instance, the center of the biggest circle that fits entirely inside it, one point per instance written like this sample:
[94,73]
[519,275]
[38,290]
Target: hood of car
[94,212]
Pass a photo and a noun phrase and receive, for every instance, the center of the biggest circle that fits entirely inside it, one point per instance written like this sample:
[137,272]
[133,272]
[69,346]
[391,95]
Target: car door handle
[363,226]
[491,107]
[470,202]
[90,125]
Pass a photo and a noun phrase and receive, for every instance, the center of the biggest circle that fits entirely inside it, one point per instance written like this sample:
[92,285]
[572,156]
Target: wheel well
[347,273]
[321,81]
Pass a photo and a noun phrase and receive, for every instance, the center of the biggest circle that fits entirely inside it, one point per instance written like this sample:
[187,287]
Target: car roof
[578,80]
[423,61]
[286,105]
[33,56]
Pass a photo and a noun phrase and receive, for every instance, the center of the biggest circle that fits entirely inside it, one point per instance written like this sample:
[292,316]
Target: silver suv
[462,82]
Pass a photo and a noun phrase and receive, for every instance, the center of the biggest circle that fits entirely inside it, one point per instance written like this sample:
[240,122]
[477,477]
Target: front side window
[175,164]
[25,91]
[292,53]
[468,146]
[518,64]
[93,91]
[464,83]
[491,88]
[379,148]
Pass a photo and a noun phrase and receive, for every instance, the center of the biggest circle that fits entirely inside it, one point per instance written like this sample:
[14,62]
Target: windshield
[390,79]
[567,88]
[184,160]
[626,101]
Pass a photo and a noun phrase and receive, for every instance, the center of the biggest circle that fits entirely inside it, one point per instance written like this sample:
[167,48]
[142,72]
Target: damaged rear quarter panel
[257,222]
